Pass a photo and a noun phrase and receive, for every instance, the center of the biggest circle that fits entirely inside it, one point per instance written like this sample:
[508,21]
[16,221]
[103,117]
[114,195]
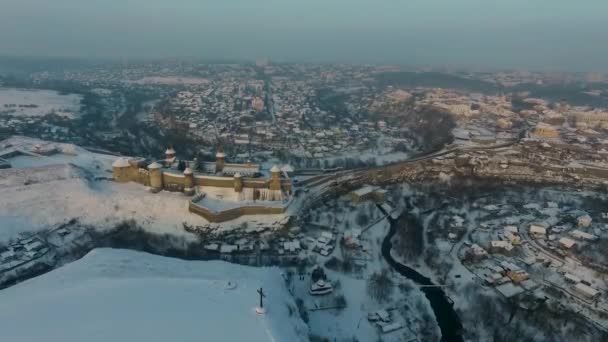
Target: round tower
[220,160]
[156,176]
[170,155]
[275,178]
[238,182]
[121,170]
[188,182]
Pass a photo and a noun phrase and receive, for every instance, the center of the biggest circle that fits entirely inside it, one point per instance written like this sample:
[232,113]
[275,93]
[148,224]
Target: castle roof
[121,162]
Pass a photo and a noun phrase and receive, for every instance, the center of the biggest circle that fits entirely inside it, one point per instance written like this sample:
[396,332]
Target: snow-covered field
[120,295]
[100,204]
[13,100]
[40,192]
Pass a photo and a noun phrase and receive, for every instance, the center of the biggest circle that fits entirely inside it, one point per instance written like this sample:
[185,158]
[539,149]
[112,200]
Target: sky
[526,34]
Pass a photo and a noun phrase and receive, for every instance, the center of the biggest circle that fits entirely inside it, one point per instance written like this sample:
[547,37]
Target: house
[509,290]
[228,248]
[584,221]
[567,243]
[586,291]
[368,193]
[327,235]
[580,235]
[477,252]
[513,238]
[212,247]
[538,231]
[387,328]
[383,315]
[351,237]
[518,276]
[34,245]
[292,246]
[7,256]
[509,266]
[571,278]
[498,246]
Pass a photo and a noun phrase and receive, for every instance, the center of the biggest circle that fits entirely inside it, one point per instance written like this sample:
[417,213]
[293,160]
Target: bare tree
[380,286]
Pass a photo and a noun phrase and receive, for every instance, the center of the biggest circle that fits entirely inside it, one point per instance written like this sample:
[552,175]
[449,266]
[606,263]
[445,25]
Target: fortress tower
[121,170]
[275,178]
[188,182]
[170,155]
[238,182]
[156,177]
[220,160]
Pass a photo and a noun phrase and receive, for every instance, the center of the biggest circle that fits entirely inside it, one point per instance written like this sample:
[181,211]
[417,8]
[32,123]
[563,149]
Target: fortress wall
[143,177]
[220,182]
[286,186]
[172,182]
[255,184]
[242,166]
[133,172]
[234,213]
[124,174]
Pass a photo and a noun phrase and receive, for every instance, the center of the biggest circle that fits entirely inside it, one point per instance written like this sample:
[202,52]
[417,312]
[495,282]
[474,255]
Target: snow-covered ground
[100,204]
[480,218]
[41,191]
[407,304]
[98,164]
[120,295]
[45,101]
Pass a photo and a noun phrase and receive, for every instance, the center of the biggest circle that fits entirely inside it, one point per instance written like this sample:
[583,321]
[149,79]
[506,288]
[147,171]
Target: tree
[380,286]
[362,218]
[340,301]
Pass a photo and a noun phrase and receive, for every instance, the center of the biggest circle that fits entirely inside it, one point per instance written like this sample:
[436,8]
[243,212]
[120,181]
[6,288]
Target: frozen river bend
[121,295]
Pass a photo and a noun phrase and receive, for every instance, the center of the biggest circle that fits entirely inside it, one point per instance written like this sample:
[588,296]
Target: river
[447,318]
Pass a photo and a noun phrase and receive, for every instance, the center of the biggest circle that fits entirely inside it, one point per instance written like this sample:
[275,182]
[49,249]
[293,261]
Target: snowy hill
[120,295]
[42,191]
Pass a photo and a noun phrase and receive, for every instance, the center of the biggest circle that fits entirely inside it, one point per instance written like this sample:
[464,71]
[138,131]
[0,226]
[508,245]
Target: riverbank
[447,318]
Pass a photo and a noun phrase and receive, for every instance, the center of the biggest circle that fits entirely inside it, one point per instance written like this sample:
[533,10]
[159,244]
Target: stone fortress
[219,191]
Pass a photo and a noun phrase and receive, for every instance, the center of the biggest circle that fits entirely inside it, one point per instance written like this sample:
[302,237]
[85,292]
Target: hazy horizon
[542,34]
